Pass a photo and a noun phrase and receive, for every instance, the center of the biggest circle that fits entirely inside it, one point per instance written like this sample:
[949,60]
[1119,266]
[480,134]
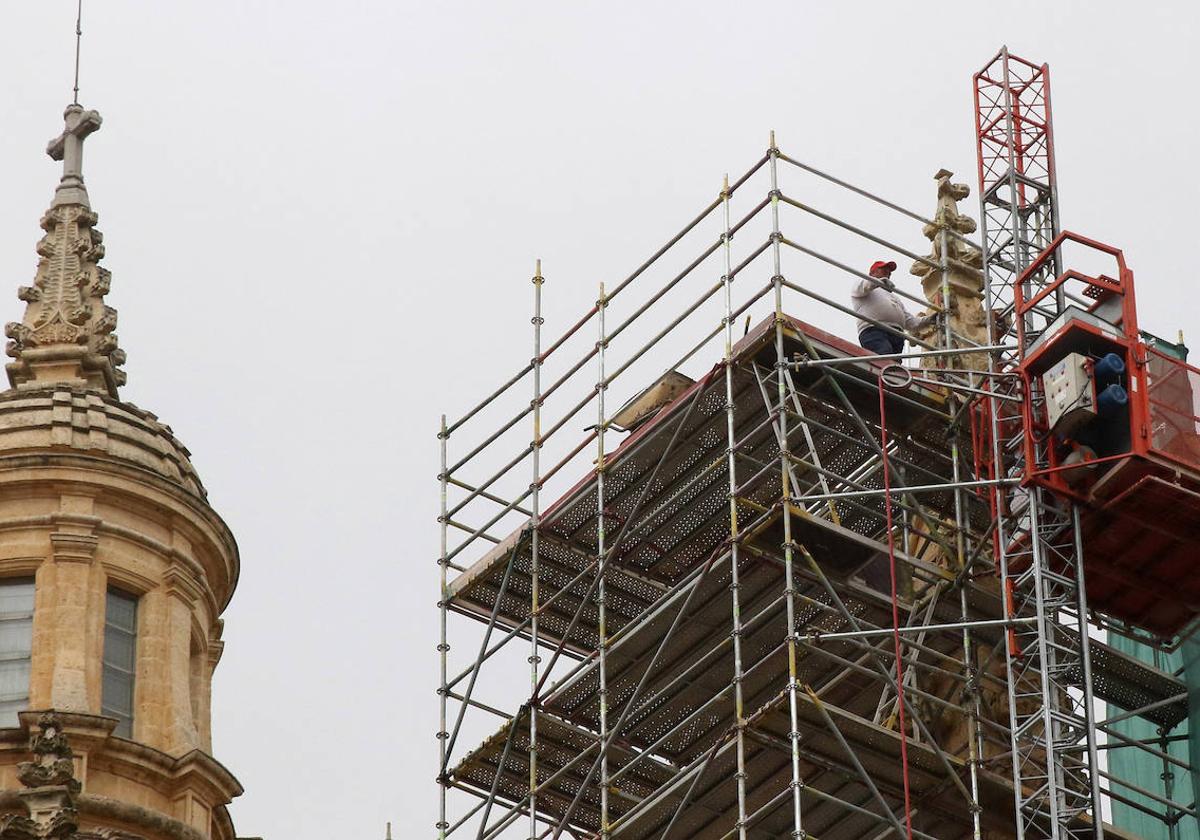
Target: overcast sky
[321,220]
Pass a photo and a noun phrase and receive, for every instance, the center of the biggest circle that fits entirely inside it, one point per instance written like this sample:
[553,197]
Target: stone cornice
[191,566]
[82,522]
[216,648]
[129,580]
[216,600]
[57,461]
[199,766]
[195,771]
[106,809]
[21,563]
[73,548]
[93,733]
[86,732]
[182,585]
[224,824]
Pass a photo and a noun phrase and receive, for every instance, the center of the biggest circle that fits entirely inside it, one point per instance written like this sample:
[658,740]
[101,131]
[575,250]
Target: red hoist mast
[1101,444]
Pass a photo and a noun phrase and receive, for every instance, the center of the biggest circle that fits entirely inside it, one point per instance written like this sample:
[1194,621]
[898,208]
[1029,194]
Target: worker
[876,301]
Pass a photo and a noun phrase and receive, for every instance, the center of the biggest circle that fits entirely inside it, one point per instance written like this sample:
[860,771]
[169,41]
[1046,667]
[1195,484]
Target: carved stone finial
[962,264]
[53,762]
[66,336]
[50,787]
[18,827]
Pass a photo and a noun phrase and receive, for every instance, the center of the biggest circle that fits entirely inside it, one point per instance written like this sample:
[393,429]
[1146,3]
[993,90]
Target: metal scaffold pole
[535,512]
[601,555]
[443,639]
[734,536]
[781,380]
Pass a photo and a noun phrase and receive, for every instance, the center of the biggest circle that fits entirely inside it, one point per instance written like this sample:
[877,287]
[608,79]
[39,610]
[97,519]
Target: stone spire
[66,336]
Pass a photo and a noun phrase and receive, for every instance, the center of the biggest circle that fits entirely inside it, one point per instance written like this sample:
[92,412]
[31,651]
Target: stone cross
[68,147]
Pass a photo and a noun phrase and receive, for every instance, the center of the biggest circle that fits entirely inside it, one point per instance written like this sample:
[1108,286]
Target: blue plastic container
[1107,370]
[1111,400]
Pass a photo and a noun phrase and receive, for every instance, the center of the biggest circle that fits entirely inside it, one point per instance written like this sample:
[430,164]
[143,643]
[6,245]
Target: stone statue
[963,264]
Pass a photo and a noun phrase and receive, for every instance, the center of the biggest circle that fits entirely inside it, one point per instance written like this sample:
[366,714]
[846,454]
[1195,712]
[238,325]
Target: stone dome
[76,431]
[88,423]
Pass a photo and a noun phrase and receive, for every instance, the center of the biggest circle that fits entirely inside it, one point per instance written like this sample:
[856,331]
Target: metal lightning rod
[78,41]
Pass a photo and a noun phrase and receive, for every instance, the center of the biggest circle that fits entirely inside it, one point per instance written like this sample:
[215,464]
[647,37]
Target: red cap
[889,265]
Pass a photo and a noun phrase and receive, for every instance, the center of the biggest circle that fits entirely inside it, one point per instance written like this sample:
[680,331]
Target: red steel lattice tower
[1038,549]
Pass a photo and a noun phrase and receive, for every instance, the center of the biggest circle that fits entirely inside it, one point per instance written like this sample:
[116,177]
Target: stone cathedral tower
[114,569]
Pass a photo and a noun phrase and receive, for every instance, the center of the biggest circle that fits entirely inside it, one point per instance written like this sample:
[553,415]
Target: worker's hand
[926,321]
[1001,323]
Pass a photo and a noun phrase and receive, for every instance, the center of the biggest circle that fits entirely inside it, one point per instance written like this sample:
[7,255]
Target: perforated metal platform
[645,797]
[684,516]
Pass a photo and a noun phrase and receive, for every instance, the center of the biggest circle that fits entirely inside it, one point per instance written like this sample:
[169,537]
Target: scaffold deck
[684,514]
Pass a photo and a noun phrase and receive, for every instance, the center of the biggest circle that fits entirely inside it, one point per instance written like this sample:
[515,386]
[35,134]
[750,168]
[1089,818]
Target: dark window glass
[16,641]
[120,658]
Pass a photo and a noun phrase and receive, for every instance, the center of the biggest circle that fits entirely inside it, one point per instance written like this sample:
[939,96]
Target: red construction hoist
[1037,531]
[1102,450]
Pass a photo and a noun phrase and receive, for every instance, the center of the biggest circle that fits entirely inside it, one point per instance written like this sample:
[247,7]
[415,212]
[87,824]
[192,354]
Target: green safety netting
[1191,671]
[1140,768]
[1150,772]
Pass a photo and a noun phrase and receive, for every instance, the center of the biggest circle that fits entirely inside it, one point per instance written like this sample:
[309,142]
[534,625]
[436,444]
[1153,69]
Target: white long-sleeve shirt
[877,303]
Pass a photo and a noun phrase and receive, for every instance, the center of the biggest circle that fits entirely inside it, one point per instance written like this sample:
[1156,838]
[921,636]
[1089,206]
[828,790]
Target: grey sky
[321,220]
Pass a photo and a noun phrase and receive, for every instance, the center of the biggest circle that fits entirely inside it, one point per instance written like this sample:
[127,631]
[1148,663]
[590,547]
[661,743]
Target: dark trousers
[880,341]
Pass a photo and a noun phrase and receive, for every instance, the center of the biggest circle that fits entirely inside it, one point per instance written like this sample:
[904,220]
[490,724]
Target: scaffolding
[777,607]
